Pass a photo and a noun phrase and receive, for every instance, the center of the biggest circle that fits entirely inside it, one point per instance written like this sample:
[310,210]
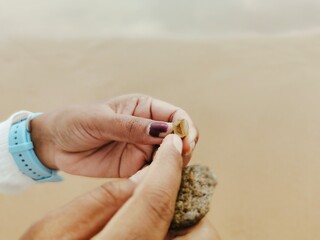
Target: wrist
[41,141]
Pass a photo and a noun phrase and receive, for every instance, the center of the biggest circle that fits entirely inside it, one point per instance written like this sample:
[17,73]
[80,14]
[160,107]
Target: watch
[22,151]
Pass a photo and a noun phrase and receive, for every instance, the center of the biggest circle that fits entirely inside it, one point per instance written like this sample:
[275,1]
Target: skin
[108,139]
[137,208]
[111,139]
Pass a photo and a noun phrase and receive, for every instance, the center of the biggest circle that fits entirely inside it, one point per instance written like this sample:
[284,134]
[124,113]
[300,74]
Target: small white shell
[181,127]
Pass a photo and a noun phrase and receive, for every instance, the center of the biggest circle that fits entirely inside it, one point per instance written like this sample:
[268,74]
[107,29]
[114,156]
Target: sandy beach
[255,101]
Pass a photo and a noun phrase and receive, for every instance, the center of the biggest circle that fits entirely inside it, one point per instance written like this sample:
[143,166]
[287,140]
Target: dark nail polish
[157,128]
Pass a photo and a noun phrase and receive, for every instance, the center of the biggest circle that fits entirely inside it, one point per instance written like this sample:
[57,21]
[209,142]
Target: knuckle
[106,194]
[132,127]
[144,98]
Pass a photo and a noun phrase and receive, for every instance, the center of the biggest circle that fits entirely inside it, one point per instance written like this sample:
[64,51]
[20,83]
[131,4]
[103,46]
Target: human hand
[111,139]
[140,208]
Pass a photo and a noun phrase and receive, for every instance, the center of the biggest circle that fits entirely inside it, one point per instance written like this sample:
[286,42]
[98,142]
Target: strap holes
[39,175]
[16,143]
[15,138]
[15,132]
[26,165]
[22,160]
[20,155]
[30,169]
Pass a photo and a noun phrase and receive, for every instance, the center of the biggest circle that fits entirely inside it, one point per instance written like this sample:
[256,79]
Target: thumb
[148,213]
[133,129]
[85,216]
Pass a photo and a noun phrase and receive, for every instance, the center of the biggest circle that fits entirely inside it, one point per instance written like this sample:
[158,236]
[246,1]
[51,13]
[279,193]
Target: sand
[255,101]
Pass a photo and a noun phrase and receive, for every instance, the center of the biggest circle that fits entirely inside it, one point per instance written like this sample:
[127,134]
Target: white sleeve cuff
[11,179]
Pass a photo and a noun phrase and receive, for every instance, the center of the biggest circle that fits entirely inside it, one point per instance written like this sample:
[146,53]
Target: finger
[160,112]
[86,215]
[139,130]
[138,176]
[166,112]
[148,213]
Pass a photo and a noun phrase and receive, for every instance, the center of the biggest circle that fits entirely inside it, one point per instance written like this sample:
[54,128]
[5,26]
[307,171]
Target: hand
[140,208]
[111,139]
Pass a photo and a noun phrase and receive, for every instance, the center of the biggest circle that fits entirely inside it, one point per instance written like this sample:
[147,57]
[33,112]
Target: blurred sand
[255,101]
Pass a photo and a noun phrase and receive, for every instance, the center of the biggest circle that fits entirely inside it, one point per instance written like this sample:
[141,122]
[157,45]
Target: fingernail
[177,142]
[156,128]
[192,146]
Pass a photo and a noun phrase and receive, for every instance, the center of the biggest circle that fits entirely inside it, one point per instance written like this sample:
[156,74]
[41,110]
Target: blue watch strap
[22,151]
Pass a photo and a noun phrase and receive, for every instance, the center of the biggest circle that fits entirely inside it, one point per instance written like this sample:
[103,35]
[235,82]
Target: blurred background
[61,19]
[247,71]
